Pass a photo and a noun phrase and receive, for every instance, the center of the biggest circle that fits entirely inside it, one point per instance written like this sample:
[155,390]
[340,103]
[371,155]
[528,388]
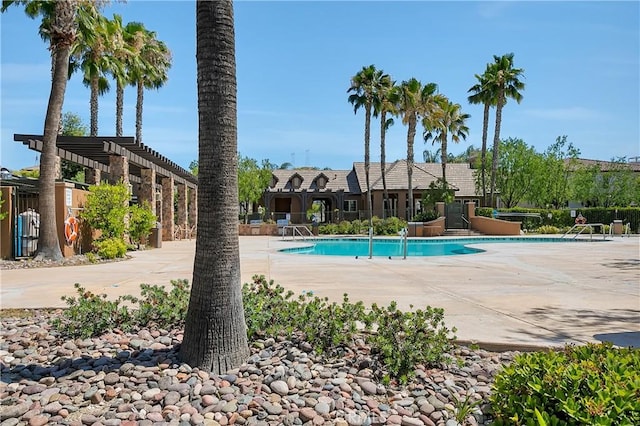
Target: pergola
[123,159]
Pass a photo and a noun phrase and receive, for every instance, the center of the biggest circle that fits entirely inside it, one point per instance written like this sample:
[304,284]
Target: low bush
[405,339]
[89,314]
[400,339]
[111,248]
[426,216]
[388,226]
[594,384]
[547,229]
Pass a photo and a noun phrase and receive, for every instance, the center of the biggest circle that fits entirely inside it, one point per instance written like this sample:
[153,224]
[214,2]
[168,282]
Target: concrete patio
[512,295]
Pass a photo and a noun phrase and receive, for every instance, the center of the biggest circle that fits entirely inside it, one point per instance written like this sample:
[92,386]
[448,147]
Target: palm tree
[386,95]
[505,83]
[215,336]
[92,55]
[481,94]
[150,72]
[122,50]
[62,27]
[364,85]
[414,101]
[431,157]
[447,120]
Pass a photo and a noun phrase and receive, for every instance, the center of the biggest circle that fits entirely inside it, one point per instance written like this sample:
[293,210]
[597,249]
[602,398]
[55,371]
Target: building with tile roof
[341,194]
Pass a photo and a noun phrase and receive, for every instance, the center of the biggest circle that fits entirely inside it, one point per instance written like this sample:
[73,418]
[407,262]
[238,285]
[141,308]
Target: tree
[551,184]
[414,101]
[482,94]
[127,42]
[92,55]
[364,86]
[518,166]
[447,119]
[62,31]
[72,125]
[386,99]
[252,181]
[605,184]
[150,72]
[193,167]
[215,335]
[504,81]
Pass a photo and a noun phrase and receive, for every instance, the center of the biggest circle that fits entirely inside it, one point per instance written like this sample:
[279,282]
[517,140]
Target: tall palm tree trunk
[119,107]
[367,160]
[496,146]
[443,158]
[139,102]
[411,134]
[62,37]
[383,165]
[93,105]
[483,155]
[215,336]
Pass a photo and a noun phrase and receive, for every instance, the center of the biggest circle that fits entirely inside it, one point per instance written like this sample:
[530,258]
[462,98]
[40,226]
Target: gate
[25,219]
[454,216]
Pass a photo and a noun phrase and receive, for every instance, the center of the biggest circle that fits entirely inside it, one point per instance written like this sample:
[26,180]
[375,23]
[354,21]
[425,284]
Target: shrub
[91,315]
[106,208]
[426,216]
[402,339]
[111,248]
[547,229]
[141,221]
[405,339]
[580,385]
[159,308]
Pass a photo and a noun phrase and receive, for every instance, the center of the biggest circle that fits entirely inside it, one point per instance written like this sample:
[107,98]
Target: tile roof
[459,175]
[336,180]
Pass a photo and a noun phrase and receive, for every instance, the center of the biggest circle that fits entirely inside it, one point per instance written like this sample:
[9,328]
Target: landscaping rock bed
[136,378]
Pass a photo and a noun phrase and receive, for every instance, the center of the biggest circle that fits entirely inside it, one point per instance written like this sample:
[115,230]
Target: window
[296,182]
[350,205]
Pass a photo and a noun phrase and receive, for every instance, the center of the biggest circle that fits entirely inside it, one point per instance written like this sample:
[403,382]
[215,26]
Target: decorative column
[193,207]
[182,209]
[119,169]
[147,193]
[92,176]
[167,208]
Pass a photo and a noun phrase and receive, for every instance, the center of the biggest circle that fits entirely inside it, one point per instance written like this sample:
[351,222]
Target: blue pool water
[394,246]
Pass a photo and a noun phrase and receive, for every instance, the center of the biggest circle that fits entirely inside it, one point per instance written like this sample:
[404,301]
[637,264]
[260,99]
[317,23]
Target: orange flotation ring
[71,226]
[581,220]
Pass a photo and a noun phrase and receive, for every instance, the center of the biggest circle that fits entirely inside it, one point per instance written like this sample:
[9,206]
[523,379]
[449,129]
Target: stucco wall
[490,226]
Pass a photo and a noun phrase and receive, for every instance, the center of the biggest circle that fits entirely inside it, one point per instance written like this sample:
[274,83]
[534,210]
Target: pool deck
[510,296]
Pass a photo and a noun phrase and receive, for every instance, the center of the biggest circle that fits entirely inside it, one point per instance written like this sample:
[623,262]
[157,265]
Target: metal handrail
[585,226]
[468,225]
[296,229]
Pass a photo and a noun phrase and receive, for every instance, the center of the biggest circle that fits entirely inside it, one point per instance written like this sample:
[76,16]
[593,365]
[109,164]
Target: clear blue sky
[295,60]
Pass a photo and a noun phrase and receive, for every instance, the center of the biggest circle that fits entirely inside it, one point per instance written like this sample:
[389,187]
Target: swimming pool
[386,247]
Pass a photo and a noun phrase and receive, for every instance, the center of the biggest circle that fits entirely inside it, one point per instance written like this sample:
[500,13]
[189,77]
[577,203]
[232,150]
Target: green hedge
[561,218]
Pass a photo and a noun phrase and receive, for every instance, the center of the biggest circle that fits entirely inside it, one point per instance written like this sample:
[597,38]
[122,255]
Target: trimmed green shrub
[547,229]
[106,208]
[111,248]
[594,384]
[426,216]
[141,221]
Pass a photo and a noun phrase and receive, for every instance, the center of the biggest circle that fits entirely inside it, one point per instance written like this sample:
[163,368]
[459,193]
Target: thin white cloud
[20,73]
[569,113]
